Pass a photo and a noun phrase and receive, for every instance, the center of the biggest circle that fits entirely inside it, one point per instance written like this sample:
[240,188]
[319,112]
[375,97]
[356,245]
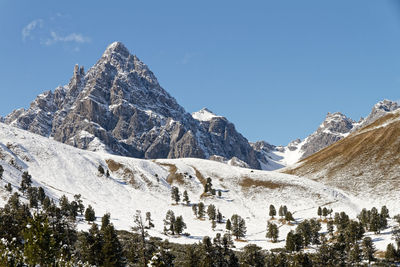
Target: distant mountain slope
[118,106]
[335,127]
[365,163]
[146,184]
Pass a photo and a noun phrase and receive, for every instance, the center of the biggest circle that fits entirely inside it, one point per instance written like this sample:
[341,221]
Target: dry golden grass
[200,177]
[173,175]
[380,254]
[247,182]
[113,165]
[376,150]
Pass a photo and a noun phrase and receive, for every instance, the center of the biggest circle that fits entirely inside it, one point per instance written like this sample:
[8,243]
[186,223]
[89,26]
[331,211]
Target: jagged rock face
[119,106]
[334,127]
[379,110]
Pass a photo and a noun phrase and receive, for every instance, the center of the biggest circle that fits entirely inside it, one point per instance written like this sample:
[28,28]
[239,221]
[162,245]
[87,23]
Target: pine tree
[272,232]
[391,254]
[41,194]
[213,224]
[175,194]
[319,212]
[81,207]
[294,241]
[39,246]
[90,215]
[272,211]
[368,249]
[325,212]
[112,249]
[105,221]
[149,221]
[139,228]
[385,212]
[228,225]
[169,221]
[280,212]
[208,185]
[305,230]
[211,212]
[107,173]
[330,228]
[252,256]
[1,172]
[180,225]
[289,217]
[186,198]
[8,187]
[200,210]
[194,209]
[238,226]
[100,169]
[219,217]
[26,181]
[219,193]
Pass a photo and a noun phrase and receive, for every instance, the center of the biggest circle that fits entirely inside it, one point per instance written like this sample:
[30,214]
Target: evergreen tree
[139,228]
[272,211]
[285,210]
[330,227]
[289,217]
[280,212]
[100,169]
[26,181]
[238,226]
[41,194]
[90,215]
[228,225]
[319,212]
[111,249]
[252,256]
[368,249]
[81,207]
[208,185]
[211,212]
[175,194]
[305,230]
[272,232]
[354,256]
[385,212]
[325,212]
[186,198]
[391,254]
[213,224]
[105,221]
[149,221]
[33,197]
[219,193]
[219,217]
[39,246]
[1,172]
[169,221]
[107,173]
[194,209]
[200,210]
[180,225]
[8,187]
[294,241]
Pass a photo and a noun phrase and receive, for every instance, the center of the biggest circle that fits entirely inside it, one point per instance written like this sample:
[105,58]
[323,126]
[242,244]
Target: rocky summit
[118,106]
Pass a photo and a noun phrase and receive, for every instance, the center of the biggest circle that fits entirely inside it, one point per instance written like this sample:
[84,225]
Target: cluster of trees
[283,213]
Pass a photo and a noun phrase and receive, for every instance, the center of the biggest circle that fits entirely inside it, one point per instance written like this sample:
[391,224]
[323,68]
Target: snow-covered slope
[137,184]
[204,115]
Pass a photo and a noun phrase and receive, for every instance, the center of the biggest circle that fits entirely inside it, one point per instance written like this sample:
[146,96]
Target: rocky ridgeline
[118,106]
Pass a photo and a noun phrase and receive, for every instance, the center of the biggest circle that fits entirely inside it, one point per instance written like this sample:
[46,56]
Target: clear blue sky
[274,68]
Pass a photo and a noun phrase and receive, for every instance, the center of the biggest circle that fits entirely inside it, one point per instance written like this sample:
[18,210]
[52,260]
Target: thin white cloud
[186,58]
[28,29]
[72,37]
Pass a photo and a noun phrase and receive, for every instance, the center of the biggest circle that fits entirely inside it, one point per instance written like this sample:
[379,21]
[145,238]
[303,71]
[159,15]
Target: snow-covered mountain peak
[116,47]
[204,115]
